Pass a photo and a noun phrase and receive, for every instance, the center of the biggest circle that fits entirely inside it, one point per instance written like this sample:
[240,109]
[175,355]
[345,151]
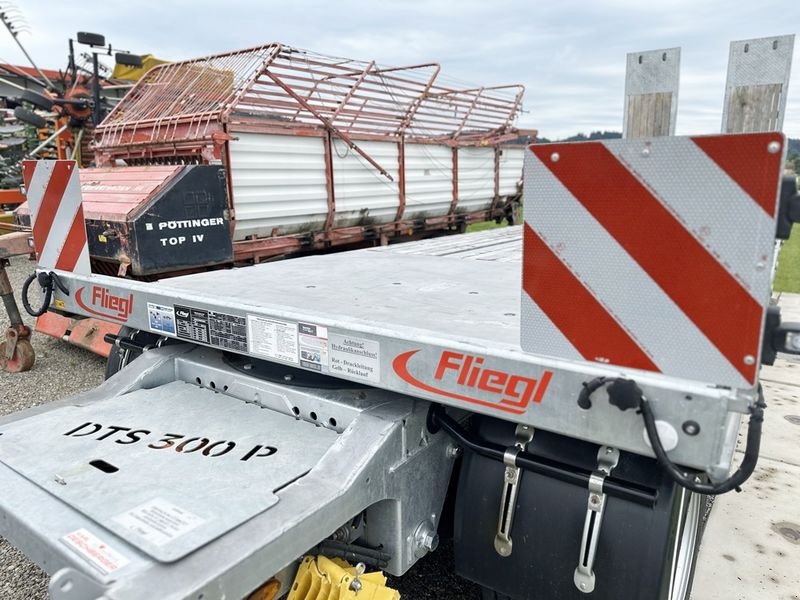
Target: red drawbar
[575,311]
[753,171]
[59,178]
[699,285]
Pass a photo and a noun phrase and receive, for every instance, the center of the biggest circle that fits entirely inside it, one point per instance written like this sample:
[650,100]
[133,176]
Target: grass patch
[484,226]
[787,279]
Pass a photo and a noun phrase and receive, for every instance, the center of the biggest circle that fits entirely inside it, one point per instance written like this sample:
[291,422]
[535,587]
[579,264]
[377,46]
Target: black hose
[625,393]
[733,482]
[47,281]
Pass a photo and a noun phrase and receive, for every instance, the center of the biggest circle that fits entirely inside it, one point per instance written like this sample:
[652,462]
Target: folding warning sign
[652,254]
[53,190]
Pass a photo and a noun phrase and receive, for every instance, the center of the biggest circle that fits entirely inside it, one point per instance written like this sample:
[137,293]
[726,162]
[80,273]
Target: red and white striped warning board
[652,254]
[53,190]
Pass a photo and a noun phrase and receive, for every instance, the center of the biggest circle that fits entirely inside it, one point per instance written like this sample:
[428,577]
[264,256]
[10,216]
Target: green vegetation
[787,279]
[484,226]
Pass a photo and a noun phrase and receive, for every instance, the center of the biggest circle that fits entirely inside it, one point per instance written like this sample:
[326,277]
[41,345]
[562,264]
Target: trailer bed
[438,319]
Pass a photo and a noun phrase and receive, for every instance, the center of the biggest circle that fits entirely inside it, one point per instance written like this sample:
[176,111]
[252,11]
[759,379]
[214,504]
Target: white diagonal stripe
[711,206]
[83,266]
[35,191]
[657,324]
[541,331]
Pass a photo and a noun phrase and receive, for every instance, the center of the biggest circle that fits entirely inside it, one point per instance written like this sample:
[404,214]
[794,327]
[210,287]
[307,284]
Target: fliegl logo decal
[99,301]
[463,377]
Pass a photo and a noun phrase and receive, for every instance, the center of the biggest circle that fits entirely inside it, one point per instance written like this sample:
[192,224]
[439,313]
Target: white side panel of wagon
[429,180]
[475,179]
[511,160]
[363,195]
[278,184]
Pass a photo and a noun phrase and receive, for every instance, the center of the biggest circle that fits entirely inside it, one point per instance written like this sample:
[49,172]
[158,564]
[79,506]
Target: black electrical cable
[731,483]
[47,281]
[631,395]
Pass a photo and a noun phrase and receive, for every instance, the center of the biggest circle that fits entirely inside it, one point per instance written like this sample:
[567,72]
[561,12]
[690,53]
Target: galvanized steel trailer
[323,405]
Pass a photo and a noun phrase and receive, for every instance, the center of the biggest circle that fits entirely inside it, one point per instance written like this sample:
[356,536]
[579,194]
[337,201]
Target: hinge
[607,459]
[511,478]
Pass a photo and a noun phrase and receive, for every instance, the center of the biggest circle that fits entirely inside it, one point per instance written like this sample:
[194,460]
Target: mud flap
[549,523]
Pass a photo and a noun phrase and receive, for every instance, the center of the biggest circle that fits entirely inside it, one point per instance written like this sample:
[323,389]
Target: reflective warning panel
[652,254]
[53,191]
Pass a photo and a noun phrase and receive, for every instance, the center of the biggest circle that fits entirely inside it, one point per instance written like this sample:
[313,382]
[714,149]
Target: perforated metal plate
[168,469]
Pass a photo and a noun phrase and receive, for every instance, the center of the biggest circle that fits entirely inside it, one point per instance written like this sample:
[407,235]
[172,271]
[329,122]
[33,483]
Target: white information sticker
[272,338]
[96,551]
[162,318]
[313,346]
[354,357]
[159,521]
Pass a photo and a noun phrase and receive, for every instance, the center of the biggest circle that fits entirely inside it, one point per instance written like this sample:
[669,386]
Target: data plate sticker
[99,554]
[214,328]
[162,318]
[159,521]
[192,323]
[350,356]
[313,341]
[272,338]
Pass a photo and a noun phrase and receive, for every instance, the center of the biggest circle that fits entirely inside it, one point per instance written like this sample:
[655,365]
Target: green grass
[484,226]
[787,279]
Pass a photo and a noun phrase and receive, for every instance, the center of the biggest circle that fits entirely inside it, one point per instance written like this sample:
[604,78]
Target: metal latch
[607,459]
[502,541]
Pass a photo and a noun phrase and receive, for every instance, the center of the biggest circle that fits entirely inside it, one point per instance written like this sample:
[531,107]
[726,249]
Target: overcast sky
[570,55]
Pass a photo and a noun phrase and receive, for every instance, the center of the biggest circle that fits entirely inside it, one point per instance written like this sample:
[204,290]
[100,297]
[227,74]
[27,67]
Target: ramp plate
[167,469]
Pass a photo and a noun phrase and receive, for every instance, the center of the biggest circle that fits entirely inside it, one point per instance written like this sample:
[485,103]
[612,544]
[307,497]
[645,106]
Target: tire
[30,117]
[120,358]
[40,101]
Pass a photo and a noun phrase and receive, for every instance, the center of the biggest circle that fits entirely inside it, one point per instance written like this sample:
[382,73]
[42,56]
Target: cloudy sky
[569,54]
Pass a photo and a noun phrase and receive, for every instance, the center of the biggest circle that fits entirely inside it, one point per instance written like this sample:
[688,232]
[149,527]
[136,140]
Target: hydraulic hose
[47,282]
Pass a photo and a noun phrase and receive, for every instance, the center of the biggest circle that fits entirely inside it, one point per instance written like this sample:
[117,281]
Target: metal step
[215,461]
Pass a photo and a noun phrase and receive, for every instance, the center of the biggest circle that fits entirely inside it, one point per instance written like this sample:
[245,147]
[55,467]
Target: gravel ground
[62,370]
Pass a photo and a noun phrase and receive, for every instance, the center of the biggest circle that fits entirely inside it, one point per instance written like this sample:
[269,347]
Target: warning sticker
[159,521]
[354,357]
[162,318]
[96,551]
[313,341]
[272,338]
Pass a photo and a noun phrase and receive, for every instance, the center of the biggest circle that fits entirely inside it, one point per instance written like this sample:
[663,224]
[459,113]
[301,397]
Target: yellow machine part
[127,73]
[322,578]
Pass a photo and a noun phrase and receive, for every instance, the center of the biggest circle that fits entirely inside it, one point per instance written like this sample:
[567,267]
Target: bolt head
[773,147]
[555,156]
[749,360]
[646,152]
